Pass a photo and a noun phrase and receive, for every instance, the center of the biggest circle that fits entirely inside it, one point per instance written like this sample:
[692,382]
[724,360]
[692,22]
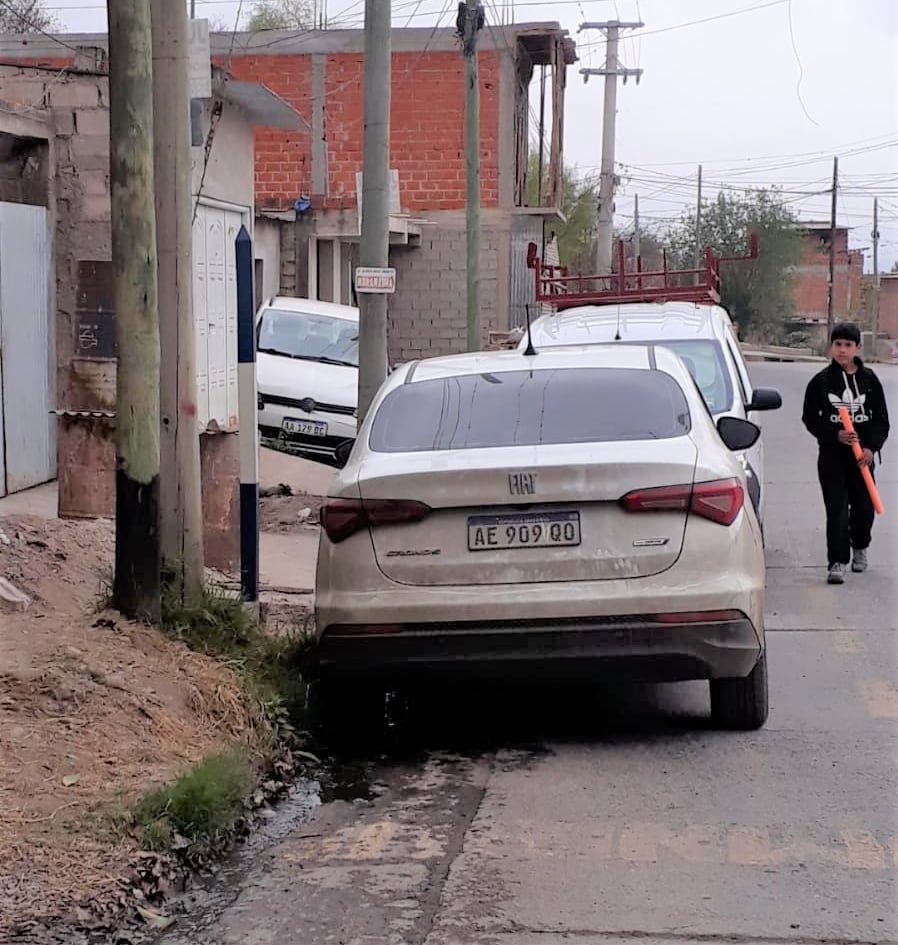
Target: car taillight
[720,501]
[341,518]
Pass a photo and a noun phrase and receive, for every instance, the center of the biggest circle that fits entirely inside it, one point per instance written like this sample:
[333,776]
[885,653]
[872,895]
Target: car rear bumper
[634,648]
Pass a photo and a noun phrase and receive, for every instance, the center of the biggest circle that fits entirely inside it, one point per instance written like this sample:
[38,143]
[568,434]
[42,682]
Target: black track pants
[849,508]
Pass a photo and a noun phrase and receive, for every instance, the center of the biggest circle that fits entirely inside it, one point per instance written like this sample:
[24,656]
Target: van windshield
[309,336]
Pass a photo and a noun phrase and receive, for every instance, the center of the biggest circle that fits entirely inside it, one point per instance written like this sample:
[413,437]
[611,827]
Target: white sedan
[573,511]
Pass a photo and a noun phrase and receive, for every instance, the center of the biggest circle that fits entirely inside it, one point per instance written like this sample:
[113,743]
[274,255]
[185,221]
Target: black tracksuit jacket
[861,393]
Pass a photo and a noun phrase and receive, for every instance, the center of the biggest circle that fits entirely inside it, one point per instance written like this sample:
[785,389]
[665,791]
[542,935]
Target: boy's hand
[846,438]
[866,458]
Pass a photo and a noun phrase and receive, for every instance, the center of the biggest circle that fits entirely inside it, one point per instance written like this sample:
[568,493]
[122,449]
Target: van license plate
[304,427]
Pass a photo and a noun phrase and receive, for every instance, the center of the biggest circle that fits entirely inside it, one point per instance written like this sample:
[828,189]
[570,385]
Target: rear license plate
[523,530]
[304,427]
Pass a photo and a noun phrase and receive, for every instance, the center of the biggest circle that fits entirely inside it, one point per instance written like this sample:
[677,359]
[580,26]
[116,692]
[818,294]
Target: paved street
[538,818]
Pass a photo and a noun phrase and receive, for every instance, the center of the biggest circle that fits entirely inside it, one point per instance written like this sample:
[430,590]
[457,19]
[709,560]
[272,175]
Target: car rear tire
[741,703]
[349,713]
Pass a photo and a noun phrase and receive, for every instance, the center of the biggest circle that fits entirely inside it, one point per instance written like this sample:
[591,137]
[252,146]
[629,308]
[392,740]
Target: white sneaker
[836,574]
[859,562]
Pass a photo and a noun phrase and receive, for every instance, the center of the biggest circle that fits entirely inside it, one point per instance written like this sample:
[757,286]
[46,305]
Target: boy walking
[846,382]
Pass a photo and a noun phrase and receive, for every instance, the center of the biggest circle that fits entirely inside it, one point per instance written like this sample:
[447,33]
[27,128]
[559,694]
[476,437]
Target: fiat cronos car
[574,512]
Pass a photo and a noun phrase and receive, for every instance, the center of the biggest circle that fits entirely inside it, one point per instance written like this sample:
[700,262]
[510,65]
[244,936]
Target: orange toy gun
[865,470]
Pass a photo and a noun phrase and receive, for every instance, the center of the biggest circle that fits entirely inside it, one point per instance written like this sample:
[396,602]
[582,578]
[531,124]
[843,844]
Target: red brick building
[812,278]
[321,75]
[888,306]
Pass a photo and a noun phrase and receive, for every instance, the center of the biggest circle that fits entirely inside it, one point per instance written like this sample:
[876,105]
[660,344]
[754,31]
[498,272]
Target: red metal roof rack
[557,287]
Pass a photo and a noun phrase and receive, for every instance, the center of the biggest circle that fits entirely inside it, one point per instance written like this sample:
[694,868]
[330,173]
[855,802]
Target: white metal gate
[27,429]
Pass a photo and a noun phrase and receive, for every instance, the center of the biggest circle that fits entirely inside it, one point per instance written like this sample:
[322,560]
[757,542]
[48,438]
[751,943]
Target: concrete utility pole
[375,240]
[608,180]
[636,247]
[137,556]
[471,19]
[180,496]
[875,234]
[831,286]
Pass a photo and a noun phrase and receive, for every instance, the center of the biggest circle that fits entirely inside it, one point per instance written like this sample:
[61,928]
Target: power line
[839,149]
[37,29]
[800,67]
[707,19]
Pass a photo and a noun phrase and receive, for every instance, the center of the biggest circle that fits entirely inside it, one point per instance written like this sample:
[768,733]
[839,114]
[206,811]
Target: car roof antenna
[529,351]
[617,330]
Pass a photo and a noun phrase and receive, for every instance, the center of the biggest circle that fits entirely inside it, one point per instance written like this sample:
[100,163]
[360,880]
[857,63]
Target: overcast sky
[763,92]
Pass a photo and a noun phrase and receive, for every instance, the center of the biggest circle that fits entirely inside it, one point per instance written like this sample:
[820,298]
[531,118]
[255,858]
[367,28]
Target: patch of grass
[205,803]
[214,621]
[201,806]
[274,669]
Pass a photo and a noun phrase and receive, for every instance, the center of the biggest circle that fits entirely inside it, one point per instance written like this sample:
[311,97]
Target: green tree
[651,248]
[579,204]
[280,15]
[27,16]
[757,294]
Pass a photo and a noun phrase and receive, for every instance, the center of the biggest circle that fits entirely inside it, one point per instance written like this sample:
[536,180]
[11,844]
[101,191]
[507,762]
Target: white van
[704,337]
[307,373]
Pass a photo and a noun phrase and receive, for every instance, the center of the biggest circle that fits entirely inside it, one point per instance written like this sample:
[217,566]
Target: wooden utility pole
[137,557]
[470,22]
[697,258]
[875,234]
[374,251]
[542,133]
[831,284]
[608,180]
[637,250]
[180,496]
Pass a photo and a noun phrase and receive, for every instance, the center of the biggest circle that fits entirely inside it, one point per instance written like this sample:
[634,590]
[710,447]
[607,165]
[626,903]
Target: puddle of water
[346,780]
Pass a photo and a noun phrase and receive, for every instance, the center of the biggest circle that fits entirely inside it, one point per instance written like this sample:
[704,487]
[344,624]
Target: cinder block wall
[427,315]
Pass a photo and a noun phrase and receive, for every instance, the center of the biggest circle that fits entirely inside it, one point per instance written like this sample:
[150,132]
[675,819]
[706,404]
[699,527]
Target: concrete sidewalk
[287,561]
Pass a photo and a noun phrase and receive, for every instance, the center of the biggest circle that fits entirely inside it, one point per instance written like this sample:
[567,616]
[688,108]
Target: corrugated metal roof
[265,107]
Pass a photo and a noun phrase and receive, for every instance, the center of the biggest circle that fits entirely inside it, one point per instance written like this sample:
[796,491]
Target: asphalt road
[540,818]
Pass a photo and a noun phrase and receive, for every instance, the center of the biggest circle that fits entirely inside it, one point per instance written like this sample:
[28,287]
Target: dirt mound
[284,513]
[94,711]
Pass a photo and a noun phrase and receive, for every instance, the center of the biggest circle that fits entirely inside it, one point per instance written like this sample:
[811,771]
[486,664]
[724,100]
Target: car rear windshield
[529,408]
[309,336]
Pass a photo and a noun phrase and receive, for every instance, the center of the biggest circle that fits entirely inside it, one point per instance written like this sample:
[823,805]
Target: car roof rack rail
[556,286]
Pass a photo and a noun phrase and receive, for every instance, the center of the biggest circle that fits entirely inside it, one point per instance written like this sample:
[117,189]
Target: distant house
[810,292]
[888,306]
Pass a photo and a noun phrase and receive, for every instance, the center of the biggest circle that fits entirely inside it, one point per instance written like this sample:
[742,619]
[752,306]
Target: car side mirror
[738,434]
[342,452]
[765,398]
